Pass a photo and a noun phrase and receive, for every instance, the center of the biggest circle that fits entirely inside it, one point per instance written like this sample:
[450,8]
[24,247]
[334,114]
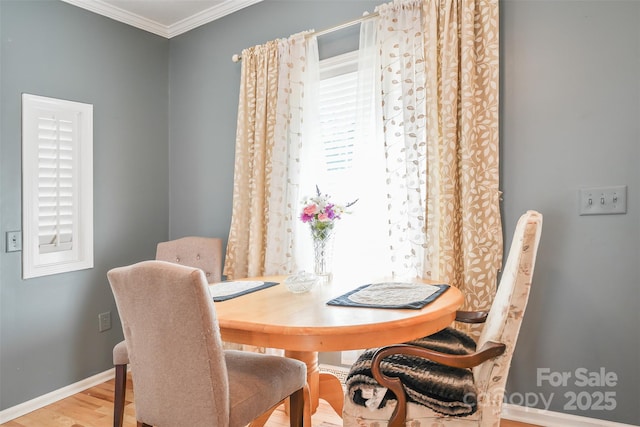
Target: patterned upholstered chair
[204,253]
[182,374]
[482,372]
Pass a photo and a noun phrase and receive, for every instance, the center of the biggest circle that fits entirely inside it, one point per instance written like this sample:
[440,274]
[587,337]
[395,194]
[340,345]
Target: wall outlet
[603,200]
[104,321]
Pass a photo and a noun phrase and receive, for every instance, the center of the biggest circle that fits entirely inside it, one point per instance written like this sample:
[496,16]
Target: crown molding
[208,15]
[121,15]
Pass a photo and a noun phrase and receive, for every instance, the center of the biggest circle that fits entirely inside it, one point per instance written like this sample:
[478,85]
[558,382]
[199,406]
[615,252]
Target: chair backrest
[507,310]
[204,253]
[170,326]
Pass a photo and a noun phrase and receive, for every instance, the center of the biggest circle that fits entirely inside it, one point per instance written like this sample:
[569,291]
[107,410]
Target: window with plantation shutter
[346,161]
[337,112]
[351,169]
[57,148]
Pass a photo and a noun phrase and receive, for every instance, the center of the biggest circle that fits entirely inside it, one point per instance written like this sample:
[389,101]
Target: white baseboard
[545,418]
[54,396]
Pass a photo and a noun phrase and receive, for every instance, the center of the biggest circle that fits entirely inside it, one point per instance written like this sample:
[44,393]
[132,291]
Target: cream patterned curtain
[439,83]
[267,146]
[464,231]
[440,101]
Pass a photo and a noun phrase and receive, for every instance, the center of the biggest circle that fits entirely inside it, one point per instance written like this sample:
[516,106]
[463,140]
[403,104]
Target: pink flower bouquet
[321,214]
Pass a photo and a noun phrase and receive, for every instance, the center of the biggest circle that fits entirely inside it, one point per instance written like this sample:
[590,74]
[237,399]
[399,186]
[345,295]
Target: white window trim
[76,250]
[339,64]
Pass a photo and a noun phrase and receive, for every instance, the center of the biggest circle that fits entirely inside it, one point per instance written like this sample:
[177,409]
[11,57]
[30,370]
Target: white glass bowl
[300,282]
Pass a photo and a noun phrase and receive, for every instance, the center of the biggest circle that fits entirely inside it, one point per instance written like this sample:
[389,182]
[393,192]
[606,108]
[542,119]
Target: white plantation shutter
[337,110]
[56,174]
[57,186]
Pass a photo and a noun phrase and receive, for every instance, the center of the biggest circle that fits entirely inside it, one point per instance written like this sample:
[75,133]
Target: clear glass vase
[323,255]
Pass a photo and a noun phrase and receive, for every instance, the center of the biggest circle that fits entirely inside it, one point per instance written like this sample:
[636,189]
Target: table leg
[310,358]
[331,391]
[321,385]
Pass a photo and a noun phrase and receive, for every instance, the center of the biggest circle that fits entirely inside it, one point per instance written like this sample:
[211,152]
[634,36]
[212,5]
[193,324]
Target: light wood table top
[277,318]
[303,325]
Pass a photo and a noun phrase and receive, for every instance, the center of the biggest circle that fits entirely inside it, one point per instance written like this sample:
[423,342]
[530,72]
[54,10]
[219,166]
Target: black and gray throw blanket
[443,389]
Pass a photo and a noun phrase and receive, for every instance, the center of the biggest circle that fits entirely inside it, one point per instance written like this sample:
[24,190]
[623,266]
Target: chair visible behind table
[489,364]
[204,253]
[182,374]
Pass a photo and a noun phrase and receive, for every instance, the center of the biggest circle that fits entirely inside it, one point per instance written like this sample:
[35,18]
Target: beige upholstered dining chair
[466,385]
[182,374]
[204,253]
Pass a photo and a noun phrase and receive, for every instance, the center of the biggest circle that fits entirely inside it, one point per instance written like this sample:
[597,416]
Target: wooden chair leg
[119,394]
[296,408]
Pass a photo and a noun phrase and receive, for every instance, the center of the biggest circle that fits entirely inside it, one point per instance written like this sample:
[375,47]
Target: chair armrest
[471,316]
[488,351]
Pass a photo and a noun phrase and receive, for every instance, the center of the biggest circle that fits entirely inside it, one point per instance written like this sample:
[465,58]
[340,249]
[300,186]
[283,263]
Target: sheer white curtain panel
[296,79]
[402,79]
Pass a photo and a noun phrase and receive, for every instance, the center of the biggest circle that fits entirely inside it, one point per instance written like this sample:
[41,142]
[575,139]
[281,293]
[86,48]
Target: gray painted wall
[570,114]
[49,326]
[570,117]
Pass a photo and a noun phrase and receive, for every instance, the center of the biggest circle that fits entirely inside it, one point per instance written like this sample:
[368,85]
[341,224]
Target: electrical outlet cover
[104,321]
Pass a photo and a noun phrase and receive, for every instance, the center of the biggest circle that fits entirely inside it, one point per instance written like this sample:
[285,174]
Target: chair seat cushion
[259,381]
[443,389]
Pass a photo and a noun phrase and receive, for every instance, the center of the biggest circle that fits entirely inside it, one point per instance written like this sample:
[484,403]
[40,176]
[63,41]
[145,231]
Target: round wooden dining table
[303,324]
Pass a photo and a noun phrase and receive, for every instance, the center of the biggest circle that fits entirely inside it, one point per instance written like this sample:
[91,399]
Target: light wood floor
[94,408]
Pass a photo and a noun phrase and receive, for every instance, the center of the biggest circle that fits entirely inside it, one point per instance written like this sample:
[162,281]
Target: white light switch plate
[14,241]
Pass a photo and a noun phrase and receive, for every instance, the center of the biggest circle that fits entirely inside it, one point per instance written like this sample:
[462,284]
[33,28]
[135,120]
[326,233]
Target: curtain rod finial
[236,57]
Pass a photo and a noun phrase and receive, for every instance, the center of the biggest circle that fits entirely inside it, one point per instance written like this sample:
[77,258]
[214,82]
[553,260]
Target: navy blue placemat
[254,286]
[344,300]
